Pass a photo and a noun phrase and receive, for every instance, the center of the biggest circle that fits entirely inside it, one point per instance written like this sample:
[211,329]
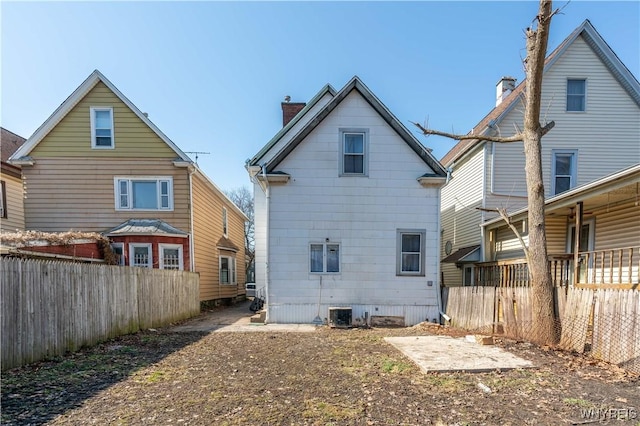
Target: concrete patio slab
[448,354]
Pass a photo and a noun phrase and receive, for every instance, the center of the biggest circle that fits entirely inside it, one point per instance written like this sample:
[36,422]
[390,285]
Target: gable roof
[327,89]
[600,47]
[94,78]
[354,84]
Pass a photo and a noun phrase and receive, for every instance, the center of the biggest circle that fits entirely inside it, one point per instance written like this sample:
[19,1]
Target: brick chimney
[503,88]
[290,109]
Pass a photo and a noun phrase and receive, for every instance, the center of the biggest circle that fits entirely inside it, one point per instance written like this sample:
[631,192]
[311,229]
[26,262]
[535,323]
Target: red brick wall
[154,241]
[89,250]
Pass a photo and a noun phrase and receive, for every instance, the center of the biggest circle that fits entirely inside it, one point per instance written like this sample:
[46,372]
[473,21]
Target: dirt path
[327,377]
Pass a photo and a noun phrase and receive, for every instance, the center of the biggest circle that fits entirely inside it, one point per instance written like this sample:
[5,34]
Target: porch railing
[597,269]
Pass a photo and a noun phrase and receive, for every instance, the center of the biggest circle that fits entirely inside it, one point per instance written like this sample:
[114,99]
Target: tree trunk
[543,327]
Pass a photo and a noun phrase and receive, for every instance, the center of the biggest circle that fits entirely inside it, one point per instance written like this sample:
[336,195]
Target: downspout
[192,259]
[438,274]
[267,193]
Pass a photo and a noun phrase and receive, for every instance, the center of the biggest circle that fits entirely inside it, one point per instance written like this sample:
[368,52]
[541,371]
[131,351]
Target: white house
[347,205]
[595,103]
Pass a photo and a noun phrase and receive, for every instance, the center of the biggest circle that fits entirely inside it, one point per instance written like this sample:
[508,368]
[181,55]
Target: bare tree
[543,330]
[243,198]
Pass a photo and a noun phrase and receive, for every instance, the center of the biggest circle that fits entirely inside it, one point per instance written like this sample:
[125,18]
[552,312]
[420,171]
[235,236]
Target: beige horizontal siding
[207,231]
[15,206]
[460,219]
[74,193]
[609,129]
[72,135]
[618,227]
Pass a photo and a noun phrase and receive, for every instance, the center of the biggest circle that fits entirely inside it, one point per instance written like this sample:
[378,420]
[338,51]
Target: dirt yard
[327,377]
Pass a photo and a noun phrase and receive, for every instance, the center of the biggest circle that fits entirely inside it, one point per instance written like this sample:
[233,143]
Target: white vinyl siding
[102,135]
[460,217]
[362,215]
[143,193]
[606,134]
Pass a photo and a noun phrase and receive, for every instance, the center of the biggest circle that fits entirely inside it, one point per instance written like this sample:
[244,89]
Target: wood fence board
[51,307]
[575,323]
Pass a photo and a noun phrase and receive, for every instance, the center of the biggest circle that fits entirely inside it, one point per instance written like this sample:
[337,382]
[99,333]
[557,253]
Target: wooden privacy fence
[49,308]
[603,322]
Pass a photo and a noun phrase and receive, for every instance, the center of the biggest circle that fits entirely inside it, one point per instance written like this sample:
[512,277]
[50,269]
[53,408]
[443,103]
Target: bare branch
[505,216]
[515,138]
[550,125]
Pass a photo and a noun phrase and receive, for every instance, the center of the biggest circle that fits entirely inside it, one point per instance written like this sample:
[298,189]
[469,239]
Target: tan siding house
[11,192]
[99,164]
[595,103]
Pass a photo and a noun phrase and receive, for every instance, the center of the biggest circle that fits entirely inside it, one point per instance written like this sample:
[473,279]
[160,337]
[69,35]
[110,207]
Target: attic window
[353,158]
[576,95]
[102,128]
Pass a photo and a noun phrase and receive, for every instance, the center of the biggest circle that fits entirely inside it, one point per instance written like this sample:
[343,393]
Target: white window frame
[132,246]
[233,279]
[121,247]
[365,149]
[325,249]
[399,252]
[225,222]
[573,177]
[584,95]
[93,111]
[128,180]
[162,247]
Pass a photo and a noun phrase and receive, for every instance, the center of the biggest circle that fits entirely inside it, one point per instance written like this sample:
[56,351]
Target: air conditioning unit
[340,317]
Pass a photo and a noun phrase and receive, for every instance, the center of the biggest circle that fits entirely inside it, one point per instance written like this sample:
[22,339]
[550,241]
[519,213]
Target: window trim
[129,179]
[233,272]
[3,200]
[162,246]
[365,149]
[574,168]
[92,115]
[423,245]
[132,246]
[583,94]
[121,245]
[325,245]
[225,222]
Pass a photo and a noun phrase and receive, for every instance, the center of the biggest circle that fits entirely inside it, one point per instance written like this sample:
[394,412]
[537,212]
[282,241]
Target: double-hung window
[140,255]
[227,270]
[410,252]
[324,258]
[170,256]
[102,128]
[144,193]
[563,170]
[576,95]
[224,222]
[353,152]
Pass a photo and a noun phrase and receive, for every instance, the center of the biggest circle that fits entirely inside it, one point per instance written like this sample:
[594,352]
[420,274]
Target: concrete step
[259,317]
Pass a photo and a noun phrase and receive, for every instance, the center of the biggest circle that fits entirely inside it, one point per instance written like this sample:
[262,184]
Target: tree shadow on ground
[38,393]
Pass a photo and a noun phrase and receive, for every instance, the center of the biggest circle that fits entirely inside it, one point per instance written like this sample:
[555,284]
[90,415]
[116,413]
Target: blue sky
[212,75]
